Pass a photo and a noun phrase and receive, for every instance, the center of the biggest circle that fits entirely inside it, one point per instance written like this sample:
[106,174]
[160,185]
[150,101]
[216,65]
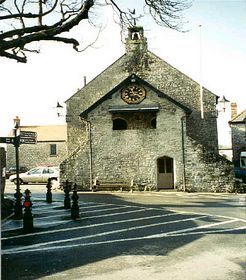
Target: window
[35,171]
[119,124]
[153,123]
[53,150]
[243,162]
[165,165]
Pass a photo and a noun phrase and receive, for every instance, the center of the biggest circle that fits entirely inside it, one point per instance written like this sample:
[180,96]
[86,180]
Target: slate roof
[240,118]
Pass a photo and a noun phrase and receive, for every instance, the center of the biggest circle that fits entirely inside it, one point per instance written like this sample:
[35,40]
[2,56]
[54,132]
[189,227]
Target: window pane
[37,171]
[243,162]
[52,149]
[153,123]
[169,165]
[161,165]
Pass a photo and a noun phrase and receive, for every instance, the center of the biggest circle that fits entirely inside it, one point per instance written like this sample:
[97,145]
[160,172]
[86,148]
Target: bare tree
[25,21]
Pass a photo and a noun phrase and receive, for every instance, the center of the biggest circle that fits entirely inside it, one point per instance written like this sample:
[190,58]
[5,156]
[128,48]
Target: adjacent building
[238,135]
[50,149]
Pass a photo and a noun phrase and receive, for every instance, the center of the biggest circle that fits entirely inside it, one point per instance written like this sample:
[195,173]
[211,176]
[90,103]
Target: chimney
[233,110]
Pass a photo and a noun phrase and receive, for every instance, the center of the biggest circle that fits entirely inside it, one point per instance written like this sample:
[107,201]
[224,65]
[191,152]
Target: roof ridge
[237,116]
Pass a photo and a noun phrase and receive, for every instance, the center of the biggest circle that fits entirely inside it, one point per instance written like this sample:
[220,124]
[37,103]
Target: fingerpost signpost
[20,137]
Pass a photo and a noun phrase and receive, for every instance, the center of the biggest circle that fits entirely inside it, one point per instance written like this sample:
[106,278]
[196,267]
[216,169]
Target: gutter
[183,152]
[90,152]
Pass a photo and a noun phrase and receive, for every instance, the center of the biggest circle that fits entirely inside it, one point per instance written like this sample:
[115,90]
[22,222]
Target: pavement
[148,235]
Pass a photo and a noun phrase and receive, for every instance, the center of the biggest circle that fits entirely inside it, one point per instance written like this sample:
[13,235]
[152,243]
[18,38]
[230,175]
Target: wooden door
[165,173]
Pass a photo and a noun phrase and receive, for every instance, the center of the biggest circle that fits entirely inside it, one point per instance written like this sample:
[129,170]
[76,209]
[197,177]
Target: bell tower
[136,40]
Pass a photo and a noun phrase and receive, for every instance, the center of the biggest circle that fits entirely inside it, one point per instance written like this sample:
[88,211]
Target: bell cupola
[136,40]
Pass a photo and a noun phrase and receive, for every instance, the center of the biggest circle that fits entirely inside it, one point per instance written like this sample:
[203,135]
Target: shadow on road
[95,239]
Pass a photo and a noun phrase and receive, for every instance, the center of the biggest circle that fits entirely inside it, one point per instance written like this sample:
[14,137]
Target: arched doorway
[165,176]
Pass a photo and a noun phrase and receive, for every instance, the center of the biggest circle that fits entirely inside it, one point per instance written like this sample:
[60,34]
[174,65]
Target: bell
[135,36]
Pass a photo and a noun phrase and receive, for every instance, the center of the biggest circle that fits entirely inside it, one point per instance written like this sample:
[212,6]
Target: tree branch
[44,32]
[29,15]
[49,19]
[72,41]
[13,56]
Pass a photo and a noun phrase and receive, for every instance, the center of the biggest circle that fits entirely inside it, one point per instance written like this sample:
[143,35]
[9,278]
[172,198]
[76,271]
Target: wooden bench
[112,185]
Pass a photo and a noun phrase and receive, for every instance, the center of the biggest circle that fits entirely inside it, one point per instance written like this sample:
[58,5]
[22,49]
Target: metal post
[67,189]
[75,205]
[28,217]
[49,193]
[18,214]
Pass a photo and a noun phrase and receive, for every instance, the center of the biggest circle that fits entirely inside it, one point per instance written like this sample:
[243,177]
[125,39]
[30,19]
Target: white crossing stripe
[90,226]
[37,245]
[125,210]
[24,250]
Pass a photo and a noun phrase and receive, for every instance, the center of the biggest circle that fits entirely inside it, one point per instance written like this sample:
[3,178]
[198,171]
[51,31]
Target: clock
[133,94]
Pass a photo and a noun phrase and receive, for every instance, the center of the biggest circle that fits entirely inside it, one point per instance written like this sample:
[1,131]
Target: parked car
[37,175]
[12,170]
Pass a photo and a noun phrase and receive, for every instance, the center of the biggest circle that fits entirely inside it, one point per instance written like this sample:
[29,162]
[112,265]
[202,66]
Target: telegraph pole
[201,76]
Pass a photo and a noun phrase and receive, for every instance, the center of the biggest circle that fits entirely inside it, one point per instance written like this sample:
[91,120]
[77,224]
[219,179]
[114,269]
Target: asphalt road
[147,235]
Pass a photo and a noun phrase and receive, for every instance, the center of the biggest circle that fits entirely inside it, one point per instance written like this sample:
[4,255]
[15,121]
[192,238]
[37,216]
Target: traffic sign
[28,137]
[7,140]
[28,134]
[2,139]
[28,141]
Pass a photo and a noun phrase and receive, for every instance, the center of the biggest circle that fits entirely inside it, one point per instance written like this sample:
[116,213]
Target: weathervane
[134,17]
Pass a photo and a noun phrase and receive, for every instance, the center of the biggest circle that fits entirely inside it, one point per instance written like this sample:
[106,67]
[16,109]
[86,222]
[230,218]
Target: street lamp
[59,109]
[223,102]
[18,214]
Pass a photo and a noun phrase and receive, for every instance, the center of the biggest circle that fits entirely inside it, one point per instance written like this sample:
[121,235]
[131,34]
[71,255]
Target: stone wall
[37,155]
[128,154]
[206,171]
[183,89]
[76,168]
[162,76]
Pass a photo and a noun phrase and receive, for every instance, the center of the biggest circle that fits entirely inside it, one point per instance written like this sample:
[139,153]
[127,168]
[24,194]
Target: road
[144,235]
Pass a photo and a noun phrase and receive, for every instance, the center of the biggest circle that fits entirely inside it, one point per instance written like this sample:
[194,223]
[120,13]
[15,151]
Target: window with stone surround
[53,150]
[136,120]
[119,124]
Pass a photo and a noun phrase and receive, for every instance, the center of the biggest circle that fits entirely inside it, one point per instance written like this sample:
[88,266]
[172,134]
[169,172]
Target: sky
[214,53]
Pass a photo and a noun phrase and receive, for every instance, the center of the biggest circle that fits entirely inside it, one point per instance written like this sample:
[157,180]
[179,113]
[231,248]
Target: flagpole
[201,82]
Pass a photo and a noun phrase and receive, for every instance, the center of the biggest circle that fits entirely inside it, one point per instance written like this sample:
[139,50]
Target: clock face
[133,94]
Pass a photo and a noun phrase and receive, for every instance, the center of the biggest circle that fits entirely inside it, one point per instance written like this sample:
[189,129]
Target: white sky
[31,90]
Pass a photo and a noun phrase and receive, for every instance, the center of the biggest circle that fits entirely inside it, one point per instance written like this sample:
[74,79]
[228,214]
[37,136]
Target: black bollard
[67,201]
[27,217]
[49,193]
[75,205]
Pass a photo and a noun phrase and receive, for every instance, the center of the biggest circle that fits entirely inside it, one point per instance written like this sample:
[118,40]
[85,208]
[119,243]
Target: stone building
[51,147]
[238,135]
[141,120]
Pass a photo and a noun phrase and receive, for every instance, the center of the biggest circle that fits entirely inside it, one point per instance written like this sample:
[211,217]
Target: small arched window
[119,124]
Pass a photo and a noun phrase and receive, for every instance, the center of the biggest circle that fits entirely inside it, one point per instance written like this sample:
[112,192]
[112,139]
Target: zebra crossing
[109,223]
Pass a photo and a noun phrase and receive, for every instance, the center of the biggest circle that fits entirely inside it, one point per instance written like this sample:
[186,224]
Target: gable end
[133,79]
